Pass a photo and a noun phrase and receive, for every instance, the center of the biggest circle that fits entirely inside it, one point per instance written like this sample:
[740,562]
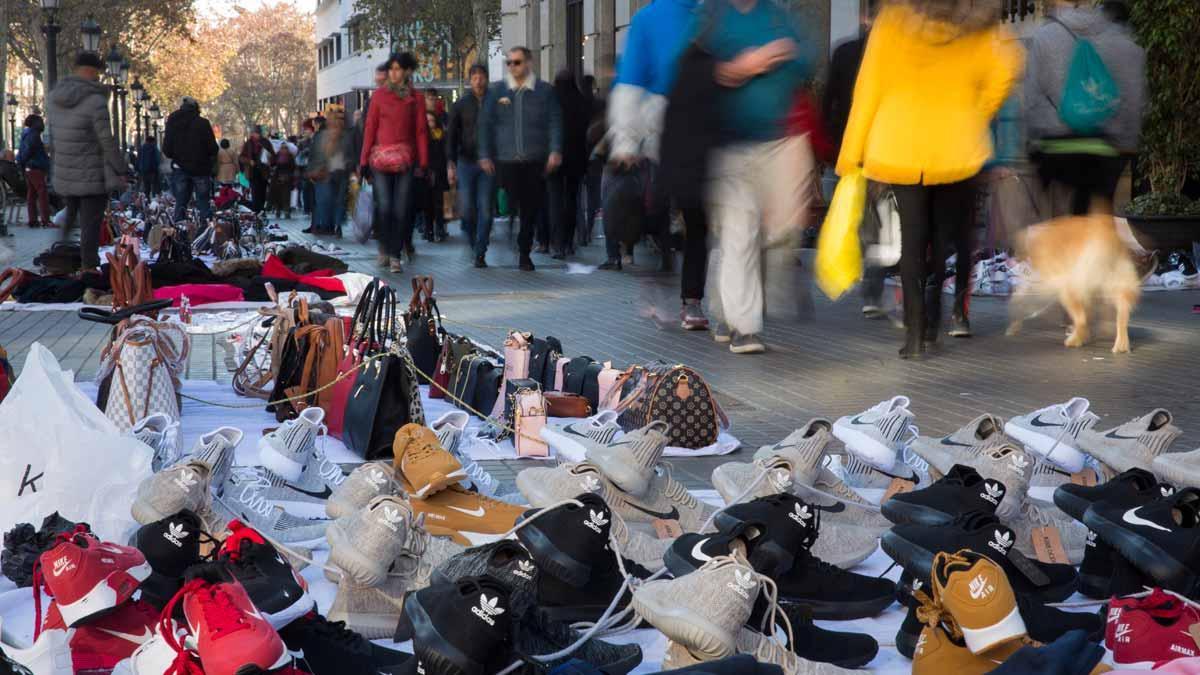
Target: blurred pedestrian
[86,163]
[32,157]
[147,166]
[395,143]
[227,164]
[934,74]
[434,182]
[189,142]
[1079,167]
[283,178]
[305,189]
[476,188]
[564,184]
[330,161]
[521,141]
[256,158]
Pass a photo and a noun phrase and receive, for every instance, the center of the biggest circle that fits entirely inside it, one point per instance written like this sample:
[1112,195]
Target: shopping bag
[363,211]
[839,258]
[54,465]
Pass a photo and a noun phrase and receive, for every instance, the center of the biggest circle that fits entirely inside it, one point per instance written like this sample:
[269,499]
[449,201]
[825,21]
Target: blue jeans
[393,208]
[329,207]
[184,187]
[476,190]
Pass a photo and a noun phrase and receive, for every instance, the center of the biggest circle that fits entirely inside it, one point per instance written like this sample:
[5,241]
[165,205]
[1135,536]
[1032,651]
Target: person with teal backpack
[1084,94]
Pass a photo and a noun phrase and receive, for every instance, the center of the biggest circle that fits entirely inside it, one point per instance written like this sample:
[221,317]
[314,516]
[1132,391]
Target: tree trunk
[479,10]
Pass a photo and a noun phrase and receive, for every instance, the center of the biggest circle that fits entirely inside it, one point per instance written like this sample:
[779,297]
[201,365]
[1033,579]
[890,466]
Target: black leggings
[931,216]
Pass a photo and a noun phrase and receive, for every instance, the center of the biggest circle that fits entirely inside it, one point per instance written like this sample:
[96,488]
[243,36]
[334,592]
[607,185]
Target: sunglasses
[515,62]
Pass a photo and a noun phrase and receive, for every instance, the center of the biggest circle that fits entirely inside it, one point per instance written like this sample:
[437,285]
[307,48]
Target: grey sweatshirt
[1049,58]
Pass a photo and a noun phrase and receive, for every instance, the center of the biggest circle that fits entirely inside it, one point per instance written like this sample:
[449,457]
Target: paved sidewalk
[823,358]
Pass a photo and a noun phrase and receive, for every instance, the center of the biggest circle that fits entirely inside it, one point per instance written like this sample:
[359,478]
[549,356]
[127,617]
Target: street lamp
[138,91]
[122,78]
[12,120]
[113,61]
[155,113]
[50,29]
[89,30]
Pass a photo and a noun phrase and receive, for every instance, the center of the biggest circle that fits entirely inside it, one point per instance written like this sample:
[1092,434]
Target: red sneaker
[228,632]
[1152,630]
[86,576]
[99,644]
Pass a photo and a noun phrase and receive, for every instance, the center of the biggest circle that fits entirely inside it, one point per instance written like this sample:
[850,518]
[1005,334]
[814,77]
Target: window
[337,41]
[356,37]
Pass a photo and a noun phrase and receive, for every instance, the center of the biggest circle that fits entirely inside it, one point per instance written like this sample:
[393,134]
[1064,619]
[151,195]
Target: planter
[1165,233]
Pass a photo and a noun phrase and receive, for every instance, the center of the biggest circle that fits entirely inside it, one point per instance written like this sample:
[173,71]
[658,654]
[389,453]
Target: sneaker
[873,311]
[323,646]
[87,577]
[566,540]
[1133,444]
[277,590]
[462,627]
[287,450]
[746,344]
[722,333]
[795,459]
[102,642]
[571,604]
[961,446]
[450,429]
[859,474]
[1152,630]
[913,547]
[638,546]
[840,504]
[395,265]
[170,545]
[691,316]
[183,487]
[1161,537]
[480,262]
[1104,574]
[504,560]
[1131,488]
[537,634]
[940,650]
[422,464]
[574,440]
[665,499]
[370,611]
[1179,468]
[703,611]
[319,477]
[814,643]
[961,490]
[467,518]
[156,655]
[779,526]
[1001,462]
[217,449]
[1052,432]
[976,592]
[1036,513]
[50,654]
[365,544]
[543,487]
[161,433]
[244,497]
[877,435]
[228,635]
[629,462]
[368,481]
[762,655]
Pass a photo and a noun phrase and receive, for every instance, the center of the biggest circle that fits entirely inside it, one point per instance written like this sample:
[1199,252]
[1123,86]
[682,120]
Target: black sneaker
[784,524]
[961,328]
[171,545]
[810,641]
[568,540]
[961,490]
[1131,488]
[569,603]
[914,546]
[271,582]
[1161,538]
[526,264]
[11,667]
[326,647]
[538,634]
[480,262]
[464,627]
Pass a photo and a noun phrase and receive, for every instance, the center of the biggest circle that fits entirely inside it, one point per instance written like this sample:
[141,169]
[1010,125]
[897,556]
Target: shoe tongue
[816,425]
[1159,419]
[1140,478]
[1187,508]
[987,426]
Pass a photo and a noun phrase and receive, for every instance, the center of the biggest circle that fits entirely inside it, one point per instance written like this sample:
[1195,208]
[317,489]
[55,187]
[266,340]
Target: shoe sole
[342,553]
[551,559]
[431,647]
[1143,553]
[916,560]
[841,610]
[567,447]
[278,463]
[1066,457]
[683,626]
[722,339]
[906,643]
[112,590]
[757,348]
[1070,504]
[438,482]
[255,669]
[981,639]
[468,539]
[866,448]
[901,512]
[303,605]
[693,326]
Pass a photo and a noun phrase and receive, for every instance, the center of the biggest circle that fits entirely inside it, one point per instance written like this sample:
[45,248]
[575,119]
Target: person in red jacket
[395,145]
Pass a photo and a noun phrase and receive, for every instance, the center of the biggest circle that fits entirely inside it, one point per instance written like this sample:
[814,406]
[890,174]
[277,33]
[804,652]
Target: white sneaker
[161,433]
[878,434]
[572,441]
[49,655]
[1052,432]
[287,450]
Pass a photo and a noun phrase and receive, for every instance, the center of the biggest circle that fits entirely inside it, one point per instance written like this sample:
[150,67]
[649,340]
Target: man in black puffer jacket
[190,144]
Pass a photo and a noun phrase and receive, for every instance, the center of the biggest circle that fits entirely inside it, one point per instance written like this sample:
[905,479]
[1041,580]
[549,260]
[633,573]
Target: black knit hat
[89,59]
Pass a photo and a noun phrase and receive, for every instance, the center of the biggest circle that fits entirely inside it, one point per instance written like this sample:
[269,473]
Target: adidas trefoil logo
[487,609]
[1019,463]
[1121,634]
[62,566]
[420,668]
[186,480]
[800,514]
[1091,539]
[980,588]
[595,521]
[392,518]
[589,484]
[992,493]
[1166,490]
[376,478]
[524,569]
[1001,541]
[174,533]
[782,478]
[743,582]
[916,584]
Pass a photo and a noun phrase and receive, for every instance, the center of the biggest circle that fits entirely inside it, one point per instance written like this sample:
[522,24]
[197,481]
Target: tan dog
[1079,260]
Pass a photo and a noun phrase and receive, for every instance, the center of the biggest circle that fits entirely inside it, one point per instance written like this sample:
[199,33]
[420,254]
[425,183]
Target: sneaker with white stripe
[878,434]
[1053,432]
[161,433]
[286,450]
[629,462]
[572,441]
[243,497]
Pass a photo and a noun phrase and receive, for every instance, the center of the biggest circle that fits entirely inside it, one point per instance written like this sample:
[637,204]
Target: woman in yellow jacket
[933,75]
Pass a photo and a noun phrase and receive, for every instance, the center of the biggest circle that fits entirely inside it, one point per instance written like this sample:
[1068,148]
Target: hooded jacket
[189,141]
[1049,57]
[84,154]
[926,93]
[32,153]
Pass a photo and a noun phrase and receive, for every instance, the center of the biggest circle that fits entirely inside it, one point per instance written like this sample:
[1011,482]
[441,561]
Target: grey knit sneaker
[161,433]
[665,499]
[545,486]
[960,447]
[1179,468]
[573,440]
[1134,444]
[286,450]
[450,429]
[702,611]
[804,447]
[163,494]
[629,461]
[638,546]
[763,649]
[1052,432]
[319,478]
[217,449]
[877,435]
[365,544]
[372,612]
[1034,513]
[366,482]
[243,496]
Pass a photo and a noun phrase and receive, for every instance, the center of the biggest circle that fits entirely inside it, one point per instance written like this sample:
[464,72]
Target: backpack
[1090,95]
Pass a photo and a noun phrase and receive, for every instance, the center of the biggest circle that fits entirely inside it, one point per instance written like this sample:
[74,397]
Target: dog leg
[1075,309]
[1121,344]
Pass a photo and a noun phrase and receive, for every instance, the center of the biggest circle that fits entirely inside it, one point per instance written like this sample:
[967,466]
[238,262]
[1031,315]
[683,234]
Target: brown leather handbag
[564,404]
[129,276]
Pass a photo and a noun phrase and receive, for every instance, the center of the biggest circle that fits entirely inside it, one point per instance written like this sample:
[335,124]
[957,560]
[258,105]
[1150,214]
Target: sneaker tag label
[667,529]
[1194,629]
[1048,546]
[1086,477]
[897,486]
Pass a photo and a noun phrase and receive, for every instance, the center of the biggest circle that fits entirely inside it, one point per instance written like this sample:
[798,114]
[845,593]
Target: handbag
[423,326]
[677,395]
[543,359]
[144,362]
[391,158]
[560,367]
[516,365]
[454,348]
[562,404]
[609,391]
[352,350]
[386,394]
[128,276]
[511,388]
[529,416]
[583,377]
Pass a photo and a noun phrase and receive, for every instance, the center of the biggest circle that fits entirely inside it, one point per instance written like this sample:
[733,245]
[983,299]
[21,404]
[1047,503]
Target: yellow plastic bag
[839,256]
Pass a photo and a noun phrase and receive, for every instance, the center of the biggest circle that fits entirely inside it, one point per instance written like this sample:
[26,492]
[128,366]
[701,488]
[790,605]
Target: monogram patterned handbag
[677,395]
[145,361]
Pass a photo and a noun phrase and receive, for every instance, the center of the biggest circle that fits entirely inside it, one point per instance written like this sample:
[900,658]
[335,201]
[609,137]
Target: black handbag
[385,395]
[543,360]
[511,387]
[423,328]
[582,376]
[477,383]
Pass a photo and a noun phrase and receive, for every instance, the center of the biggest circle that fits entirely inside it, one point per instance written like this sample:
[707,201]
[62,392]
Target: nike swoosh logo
[323,494]
[858,420]
[1133,518]
[947,441]
[298,654]
[1037,422]
[698,554]
[477,512]
[673,514]
[1114,434]
[135,638]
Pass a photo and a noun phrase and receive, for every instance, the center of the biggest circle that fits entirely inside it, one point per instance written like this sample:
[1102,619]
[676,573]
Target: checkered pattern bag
[145,361]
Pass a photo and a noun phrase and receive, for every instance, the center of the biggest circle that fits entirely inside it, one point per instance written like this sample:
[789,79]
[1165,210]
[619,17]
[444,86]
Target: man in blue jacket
[521,140]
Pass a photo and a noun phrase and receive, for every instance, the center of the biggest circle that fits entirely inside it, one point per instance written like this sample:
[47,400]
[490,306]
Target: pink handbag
[560,372]
[610,393]
[529,416]
[516,366]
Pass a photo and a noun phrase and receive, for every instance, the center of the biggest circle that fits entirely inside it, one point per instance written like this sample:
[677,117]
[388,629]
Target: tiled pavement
[823,358]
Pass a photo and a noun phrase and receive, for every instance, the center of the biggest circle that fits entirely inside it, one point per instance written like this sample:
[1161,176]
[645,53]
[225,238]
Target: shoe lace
[422,451]
[480,477]
[333,630]
[251,492]
[241,538]
[184,662]
[675,491]
[329,471]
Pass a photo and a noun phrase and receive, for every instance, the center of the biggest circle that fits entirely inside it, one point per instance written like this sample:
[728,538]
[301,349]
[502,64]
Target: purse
[677,395]
[335,414]
[454,348]
[609,392]
[516,365]
[423,329]
[128,276]
[559,372]
[562,404]
[391,158]
[146,360]
[529,416]
[386,394]
[511,387]
[543,359]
